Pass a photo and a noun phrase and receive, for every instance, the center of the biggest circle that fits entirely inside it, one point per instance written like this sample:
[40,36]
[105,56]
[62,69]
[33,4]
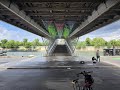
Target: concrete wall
[91,48]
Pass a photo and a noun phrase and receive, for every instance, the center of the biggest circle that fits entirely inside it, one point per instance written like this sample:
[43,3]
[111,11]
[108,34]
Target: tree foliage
[28,45]
[11,44]
[109,45]
[118,42]
[81,45]
[88,41]
[3,43]
[97,42]
[113,42]
[35,43]
[25,41]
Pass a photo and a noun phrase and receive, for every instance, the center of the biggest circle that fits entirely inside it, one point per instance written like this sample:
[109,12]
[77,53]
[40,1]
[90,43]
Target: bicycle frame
[86,85]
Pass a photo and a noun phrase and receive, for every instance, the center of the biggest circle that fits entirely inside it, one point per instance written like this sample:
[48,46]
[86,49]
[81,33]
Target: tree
[25,41]
[81,45]
[35,42]
[109,45]
[97,42]
[20,43]
[3,43]
[118,42]
[40,43]
[88,41]
[12,44]
[113,43]
[16,44]
[45,43]
[28,45]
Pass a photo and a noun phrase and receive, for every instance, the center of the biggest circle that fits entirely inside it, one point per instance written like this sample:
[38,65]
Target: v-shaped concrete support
[60,47]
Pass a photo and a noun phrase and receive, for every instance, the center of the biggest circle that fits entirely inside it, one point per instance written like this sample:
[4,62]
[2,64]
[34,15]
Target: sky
[108,32]
[10,32]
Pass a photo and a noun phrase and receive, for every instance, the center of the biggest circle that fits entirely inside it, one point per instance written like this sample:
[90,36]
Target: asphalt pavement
[56,73]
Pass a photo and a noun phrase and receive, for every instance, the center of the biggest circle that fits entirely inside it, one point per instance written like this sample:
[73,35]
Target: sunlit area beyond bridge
[58,64]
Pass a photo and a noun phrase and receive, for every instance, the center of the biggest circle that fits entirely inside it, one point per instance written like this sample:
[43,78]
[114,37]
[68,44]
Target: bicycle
[87,84]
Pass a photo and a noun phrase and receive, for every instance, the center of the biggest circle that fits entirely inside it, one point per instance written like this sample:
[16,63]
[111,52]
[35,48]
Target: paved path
[113,60]
[27,75]
[8,59]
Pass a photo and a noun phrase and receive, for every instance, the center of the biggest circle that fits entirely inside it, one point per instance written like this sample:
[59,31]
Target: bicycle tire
[90,88]
[86,88]
[81,88]
[74,87]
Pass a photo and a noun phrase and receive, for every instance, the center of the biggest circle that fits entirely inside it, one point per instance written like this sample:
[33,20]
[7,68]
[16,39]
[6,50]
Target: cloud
[6,34]
[11,32]
[109,32]
[14,33]
[113,35]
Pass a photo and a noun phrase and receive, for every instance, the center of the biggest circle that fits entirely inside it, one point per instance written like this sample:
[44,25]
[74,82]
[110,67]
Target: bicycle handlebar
[84,72]
[75,81]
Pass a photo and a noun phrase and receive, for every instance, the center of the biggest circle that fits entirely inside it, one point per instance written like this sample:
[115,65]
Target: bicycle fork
[76,86]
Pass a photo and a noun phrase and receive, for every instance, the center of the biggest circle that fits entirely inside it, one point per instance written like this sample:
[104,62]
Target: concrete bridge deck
[54,73]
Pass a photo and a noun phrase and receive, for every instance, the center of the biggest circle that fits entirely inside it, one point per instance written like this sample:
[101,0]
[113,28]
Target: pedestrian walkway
[27,75]
[113,60]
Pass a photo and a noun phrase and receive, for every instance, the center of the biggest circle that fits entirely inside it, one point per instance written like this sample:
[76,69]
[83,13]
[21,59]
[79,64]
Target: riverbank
[43,48]
[23,49]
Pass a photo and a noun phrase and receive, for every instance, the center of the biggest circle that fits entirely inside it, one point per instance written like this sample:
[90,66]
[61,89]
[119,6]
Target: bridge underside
[54,19]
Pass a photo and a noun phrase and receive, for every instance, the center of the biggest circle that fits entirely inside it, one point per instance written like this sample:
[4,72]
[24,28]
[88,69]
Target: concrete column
[114,51]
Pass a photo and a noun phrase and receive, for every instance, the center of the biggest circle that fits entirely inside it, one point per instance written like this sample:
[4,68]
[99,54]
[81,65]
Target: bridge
[60,21]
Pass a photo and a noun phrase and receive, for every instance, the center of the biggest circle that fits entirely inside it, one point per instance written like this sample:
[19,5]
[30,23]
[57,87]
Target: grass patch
[116,58]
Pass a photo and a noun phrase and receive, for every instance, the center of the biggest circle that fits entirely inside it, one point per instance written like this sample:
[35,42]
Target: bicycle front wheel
[86,88]
[90,88]
[81,88]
